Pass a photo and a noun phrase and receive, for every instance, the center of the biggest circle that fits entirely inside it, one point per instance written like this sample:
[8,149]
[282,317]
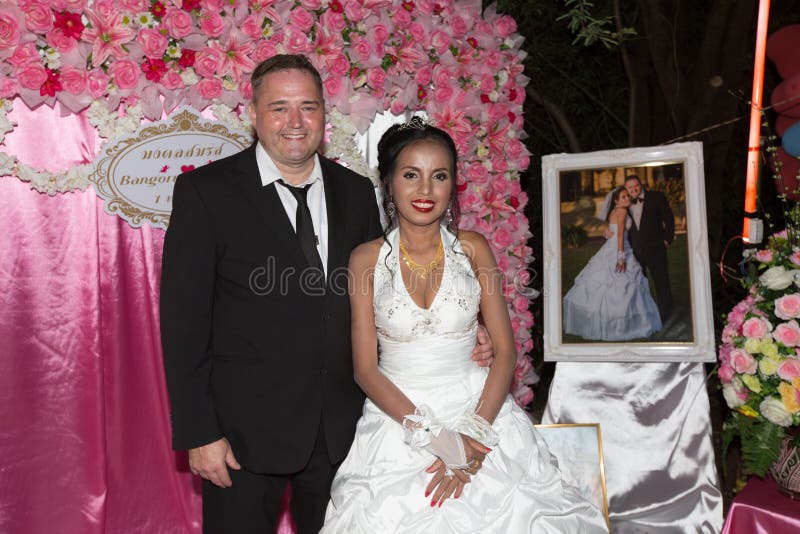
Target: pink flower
[417,31]
[125,73]
[209,88]
[487,84]
[789,369]
[355,11]
[333,86]
[107,35]
[26,53]
[264,50]
[502,238]
[251,26]
[70,24]
[788,333]
[60,41]
[179,23]
[38,17]
[154,69]
[313,5]
[520,304]
[9,87]
[756,327]
[212,5]
[795,257]
[442,95]
[153,42]
[98,82]
[764,255]
[236,58]
[423,75]
[51,85]
[296,41]
[301,19]
[338,65]
[135,6]
[376,78]
[379,34]
[9,31]
[458,26]
[212,24]
[361,47]
[788,306]
[208,62]
[31,75]
[743,362]
[73,80]
[440,41]
[402,18]
[726,373]
[505,26]
[172,80]
[332,21]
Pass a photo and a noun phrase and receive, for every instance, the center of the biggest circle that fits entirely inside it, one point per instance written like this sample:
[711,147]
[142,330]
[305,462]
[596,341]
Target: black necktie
[304,227]
[638,199]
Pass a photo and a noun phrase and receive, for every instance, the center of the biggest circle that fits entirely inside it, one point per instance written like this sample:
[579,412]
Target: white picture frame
[578,448]
[570,213]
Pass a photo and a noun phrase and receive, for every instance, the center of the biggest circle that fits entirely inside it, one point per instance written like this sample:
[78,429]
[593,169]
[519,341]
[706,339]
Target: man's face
[634,188]
[288,114]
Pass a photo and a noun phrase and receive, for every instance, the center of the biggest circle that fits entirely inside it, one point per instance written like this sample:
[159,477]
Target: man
[255,317]
[652,231]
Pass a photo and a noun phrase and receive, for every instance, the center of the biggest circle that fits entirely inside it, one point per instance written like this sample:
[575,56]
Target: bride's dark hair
[399,136]
[614,198]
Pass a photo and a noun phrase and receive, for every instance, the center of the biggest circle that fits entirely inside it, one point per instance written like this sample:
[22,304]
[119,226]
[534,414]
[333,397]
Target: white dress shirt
[636,210]
[316,198]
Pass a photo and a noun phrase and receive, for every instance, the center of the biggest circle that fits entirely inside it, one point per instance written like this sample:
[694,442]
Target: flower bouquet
[759,356]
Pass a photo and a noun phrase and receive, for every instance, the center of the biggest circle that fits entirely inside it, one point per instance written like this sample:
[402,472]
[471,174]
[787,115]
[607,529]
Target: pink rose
[743,362]
[477,173]
[442,95]
[9,87]
[376,77]
[440,41]
[401,18]
[417,31]
[264,50]
[38,17]
[423,75]
[98,83]
[726,373]
[795,257]
[788,306]
[9,31]
[442,76]
[332,21]
[520,304]
[134,6]
[361,47]
[125,73]
[764,255]
[26,53]
[787,333]
[379,33]
[246,89]
[301,18]
[502,238]
[756,327]
[172,80]
[355,11]
[212,5]
[179,23]
[789,369]
[333,86]
[31,75]
[207,62]
[487,84]
[211,24]
[60,41]
[73,80]
[458,26]
[209,88]
[505,26]
[500,165]
[296,41]
[338,65]
[313,5]
[153,42]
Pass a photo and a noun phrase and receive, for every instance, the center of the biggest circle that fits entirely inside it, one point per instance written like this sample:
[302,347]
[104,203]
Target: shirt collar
[269,171]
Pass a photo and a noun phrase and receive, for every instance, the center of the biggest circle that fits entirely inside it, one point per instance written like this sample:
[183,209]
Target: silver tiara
[416,123]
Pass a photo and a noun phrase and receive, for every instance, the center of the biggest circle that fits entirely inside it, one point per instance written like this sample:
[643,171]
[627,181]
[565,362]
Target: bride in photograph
[441,446]
[610,299]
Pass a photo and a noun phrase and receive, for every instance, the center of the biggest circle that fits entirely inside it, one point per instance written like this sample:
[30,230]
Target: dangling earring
[448,216]
[390,209]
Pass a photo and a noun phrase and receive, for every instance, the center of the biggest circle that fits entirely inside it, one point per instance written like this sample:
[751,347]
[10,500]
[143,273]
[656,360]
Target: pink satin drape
[84,415]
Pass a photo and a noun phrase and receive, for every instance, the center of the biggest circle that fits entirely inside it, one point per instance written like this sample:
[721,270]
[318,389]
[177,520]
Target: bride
[415,296]
[610,299]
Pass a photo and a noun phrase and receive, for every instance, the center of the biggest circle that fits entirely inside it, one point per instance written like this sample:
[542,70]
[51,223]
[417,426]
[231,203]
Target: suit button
[323,372]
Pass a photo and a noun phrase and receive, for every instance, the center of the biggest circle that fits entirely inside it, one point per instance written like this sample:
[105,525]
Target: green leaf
[761,445]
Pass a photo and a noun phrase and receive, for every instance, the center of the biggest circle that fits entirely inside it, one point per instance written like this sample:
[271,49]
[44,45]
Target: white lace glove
[424,431]
[478,428]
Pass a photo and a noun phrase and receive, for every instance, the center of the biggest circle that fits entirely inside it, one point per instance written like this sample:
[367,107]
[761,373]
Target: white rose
[777,278]
[189,76]
[731,396]
[775,412]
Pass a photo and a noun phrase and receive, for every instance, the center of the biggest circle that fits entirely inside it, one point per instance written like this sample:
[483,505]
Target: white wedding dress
[606,305]
[380,486]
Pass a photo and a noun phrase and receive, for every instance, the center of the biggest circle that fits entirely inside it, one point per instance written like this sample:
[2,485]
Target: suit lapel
[335,204]
[277,226]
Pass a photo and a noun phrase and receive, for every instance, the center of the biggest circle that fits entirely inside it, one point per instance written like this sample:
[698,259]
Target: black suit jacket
[656,226]
[249,353]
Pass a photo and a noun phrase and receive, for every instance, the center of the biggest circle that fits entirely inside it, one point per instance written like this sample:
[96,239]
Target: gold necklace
[422,269]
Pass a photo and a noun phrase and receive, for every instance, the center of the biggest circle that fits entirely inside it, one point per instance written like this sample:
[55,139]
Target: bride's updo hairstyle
[398,137]
[614,199]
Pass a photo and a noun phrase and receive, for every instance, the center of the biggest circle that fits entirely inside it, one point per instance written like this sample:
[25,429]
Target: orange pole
[754,144]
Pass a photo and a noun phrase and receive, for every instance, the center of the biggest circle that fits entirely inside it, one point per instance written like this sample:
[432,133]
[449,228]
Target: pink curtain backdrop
[84,414]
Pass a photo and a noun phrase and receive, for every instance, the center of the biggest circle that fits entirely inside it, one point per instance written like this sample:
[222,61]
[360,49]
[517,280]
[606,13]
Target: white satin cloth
[607,305]
[380,486]
[659,460]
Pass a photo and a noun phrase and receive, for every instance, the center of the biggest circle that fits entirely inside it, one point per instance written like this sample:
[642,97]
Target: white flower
[7,164]
[145,19]
[174,52]
[189,77]
[52,58]
[775,412]
[502,78]
[731,396]
[777,278]
[229,84]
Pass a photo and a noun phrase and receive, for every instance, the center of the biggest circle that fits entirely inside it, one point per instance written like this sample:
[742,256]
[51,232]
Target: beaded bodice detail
[453,312]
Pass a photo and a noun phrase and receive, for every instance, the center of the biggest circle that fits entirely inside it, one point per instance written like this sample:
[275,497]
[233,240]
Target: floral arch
[121,61]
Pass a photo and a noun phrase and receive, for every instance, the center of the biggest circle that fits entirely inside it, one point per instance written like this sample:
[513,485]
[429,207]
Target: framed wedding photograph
[578,448]
[626,266]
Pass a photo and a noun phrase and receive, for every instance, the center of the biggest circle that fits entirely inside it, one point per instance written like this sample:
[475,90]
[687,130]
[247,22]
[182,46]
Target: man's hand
[210,461]
[483,353]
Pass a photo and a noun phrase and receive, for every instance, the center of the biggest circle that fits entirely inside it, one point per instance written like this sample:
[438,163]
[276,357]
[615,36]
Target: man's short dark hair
[284,62]
[633,177]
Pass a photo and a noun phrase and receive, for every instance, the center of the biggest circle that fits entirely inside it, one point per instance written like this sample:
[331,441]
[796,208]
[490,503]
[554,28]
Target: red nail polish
[488,449]
[433,503]
[440,503]
[427,493]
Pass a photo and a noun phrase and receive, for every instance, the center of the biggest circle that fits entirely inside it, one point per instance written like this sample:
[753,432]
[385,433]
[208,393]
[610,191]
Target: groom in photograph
[652,231]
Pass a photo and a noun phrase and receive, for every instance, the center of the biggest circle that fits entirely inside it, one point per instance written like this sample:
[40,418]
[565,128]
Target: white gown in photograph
[606,305]
[380,486]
